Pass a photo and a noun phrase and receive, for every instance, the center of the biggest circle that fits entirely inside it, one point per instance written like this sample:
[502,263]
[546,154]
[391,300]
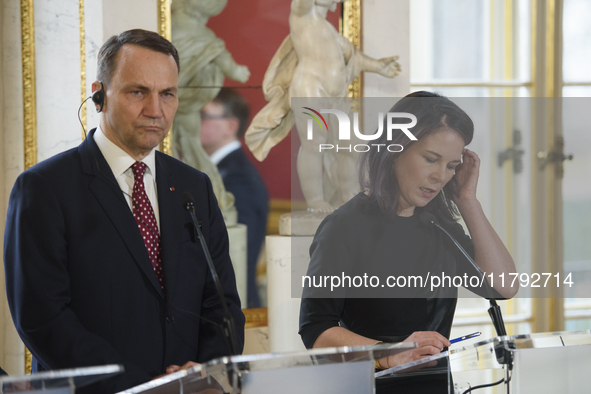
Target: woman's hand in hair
[466,177]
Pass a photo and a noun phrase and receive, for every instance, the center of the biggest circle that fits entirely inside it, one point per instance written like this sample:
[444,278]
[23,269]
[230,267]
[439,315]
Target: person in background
[223,124]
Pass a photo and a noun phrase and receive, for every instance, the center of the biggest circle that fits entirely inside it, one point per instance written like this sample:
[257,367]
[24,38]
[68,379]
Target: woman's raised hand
[466,177]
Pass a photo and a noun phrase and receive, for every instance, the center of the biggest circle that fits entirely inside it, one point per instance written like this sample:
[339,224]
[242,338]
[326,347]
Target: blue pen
[460,339]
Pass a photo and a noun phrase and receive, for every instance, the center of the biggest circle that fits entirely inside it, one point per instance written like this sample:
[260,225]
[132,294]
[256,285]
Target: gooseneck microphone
[228,326]
[503,355]
[494,311]
[427,218]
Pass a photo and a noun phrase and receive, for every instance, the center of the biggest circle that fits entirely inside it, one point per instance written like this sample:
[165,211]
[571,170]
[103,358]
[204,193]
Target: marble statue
[314,61]
[204,63]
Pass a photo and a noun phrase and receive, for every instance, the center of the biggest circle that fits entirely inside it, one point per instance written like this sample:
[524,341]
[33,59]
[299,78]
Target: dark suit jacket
[242,179]
[80,284]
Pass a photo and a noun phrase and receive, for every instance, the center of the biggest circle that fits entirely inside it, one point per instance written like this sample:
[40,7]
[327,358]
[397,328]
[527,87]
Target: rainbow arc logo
[315,118]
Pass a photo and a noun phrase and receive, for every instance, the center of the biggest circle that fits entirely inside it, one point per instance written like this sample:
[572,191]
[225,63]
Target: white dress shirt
[120,163]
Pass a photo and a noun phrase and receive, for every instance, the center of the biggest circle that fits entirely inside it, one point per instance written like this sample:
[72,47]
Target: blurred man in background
[223,124]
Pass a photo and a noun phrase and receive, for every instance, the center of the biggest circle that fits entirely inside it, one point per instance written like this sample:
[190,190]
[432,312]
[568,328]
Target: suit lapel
[108,193]
[171,222]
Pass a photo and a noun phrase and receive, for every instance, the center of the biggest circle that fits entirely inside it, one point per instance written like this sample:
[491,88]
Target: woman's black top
[358,239]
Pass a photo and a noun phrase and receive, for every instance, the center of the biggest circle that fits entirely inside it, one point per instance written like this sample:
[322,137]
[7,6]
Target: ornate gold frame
[165,30]
[28,65]
[29,103]
[255,317]
[351,29]
[82,64]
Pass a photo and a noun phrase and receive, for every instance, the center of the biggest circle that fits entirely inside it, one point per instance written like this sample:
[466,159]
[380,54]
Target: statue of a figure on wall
[314,61]
[204,63]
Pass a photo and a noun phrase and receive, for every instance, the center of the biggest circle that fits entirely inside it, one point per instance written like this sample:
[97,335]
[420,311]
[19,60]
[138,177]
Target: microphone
[228,326]
[428,218]
[494,311]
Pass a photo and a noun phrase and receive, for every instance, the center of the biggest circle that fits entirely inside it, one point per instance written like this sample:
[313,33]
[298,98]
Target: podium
[57,382]
[535,363]
[342,370]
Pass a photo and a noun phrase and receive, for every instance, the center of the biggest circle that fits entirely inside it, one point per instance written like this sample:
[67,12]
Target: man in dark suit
[101,264]
[223,124]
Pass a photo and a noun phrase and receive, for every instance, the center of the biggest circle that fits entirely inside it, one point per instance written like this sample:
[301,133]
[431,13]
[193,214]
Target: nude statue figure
[317,62]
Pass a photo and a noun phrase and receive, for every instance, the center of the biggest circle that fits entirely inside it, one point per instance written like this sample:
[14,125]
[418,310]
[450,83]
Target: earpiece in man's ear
[98,97]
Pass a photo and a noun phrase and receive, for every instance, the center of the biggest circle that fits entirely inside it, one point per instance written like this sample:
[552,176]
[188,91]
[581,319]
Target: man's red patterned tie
[145,219]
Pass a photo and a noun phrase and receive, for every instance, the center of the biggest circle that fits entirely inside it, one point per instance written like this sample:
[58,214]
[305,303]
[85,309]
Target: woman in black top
[379,233]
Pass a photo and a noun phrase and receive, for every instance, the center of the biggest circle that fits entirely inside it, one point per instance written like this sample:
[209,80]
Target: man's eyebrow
[139,86]
[136,86]
[439,156]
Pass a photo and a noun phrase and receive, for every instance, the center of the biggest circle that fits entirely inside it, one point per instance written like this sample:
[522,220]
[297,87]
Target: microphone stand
[504,356]
[228,326]
[497,318]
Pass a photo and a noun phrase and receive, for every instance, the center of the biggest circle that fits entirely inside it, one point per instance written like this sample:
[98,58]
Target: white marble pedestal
[287,255]
[237,236]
